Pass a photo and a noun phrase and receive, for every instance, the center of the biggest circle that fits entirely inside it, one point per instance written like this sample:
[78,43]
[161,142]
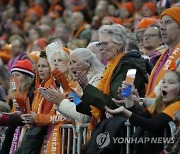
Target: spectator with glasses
[112,42]
[140,28]
[153,44]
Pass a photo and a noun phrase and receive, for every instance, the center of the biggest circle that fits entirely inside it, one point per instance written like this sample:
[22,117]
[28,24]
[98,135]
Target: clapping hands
[82,79]
[52,95]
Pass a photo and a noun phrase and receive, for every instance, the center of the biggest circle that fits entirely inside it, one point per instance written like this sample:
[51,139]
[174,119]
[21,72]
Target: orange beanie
[129,6]
[173,12]
[146,22]
[151,6]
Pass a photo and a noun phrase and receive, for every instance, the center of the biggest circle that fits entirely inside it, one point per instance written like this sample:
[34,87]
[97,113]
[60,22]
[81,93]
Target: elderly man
[170,31]
[143,24]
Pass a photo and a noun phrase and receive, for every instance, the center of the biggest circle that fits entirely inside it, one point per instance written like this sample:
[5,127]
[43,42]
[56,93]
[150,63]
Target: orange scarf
[173,57]
[169,109]
[104,86]
[76,34]
[38,100]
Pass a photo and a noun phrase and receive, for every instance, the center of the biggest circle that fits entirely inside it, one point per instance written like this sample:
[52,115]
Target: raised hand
[61,78]
[82,79]
[22,101]
[133,97]
[52,95]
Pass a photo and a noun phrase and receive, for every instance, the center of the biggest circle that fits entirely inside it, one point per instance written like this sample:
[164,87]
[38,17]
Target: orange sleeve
[44,119]
[49,119]
[169,110]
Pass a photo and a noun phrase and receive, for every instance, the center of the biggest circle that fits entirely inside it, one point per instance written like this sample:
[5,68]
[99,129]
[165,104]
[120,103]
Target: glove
[23,102]
[61,78]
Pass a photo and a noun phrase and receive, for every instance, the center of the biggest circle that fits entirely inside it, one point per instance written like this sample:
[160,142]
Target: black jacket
[92,96]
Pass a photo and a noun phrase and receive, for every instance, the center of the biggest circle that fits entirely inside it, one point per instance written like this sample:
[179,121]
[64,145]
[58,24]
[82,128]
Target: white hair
[85,54]
[117,32]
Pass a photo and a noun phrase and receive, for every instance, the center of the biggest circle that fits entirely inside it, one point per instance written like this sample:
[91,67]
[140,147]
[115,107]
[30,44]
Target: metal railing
[70,129]
[77,134]
[172,128]
[80,136]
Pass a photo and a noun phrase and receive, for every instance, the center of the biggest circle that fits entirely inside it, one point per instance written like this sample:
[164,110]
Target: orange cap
[129,6]
[146,22]
[151,6]
[173,12]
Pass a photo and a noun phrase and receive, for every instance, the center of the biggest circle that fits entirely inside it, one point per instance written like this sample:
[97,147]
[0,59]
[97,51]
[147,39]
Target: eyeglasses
[150,35]
[102,44]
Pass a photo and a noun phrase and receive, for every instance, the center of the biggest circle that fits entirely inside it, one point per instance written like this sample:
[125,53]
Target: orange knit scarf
[104,86]
[152,85]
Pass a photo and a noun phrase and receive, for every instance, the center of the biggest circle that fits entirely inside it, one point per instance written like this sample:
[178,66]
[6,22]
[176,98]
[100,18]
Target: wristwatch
[141,102]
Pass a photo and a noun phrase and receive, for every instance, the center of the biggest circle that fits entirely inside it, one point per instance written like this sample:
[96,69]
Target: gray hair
[117,32]
[85,54]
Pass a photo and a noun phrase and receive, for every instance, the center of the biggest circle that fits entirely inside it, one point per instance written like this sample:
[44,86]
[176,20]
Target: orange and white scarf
[152,85]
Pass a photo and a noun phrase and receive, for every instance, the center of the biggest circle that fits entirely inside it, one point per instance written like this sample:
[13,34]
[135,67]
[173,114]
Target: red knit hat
[151,6]
[173,12]
[129,6]
[24,66]
[146,22]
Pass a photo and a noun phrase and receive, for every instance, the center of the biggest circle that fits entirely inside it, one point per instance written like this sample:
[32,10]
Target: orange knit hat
[173,12]
[151,6]
[129,6]
[146,22]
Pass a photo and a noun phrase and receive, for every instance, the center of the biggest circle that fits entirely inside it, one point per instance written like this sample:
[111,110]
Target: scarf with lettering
[154,81]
